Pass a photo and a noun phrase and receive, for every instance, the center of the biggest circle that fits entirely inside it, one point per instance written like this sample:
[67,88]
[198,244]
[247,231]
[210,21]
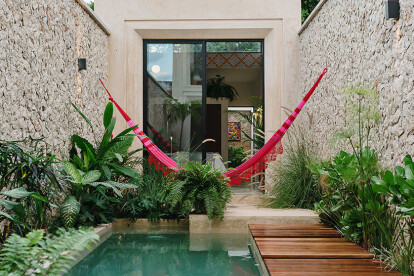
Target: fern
[40,254]
[69,211]
[206,191]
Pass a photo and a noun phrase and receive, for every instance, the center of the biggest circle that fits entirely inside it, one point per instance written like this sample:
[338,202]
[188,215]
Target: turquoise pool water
[169,254]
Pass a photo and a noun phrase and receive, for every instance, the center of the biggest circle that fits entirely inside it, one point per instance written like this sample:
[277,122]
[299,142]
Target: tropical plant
[398,186]
[197,188]
[294,183]
[109,153]
[29,179]
[347,194]
[92,172]
[307,8]
[40,254]
[349,175]
[236,156]
[205,190]
[217,89]
[17,212]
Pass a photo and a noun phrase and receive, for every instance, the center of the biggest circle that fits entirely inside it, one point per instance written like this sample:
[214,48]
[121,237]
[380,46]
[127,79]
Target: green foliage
[398,186]
[69,211]
[30,183]
[205,190]
[196,189]
[294,183]
[217,89]
[347,192]
[40,254]
[307,8]
[373,211]
[92,172]
[156,196]
[92,5]
[362,116]
[236,156]
[234,46]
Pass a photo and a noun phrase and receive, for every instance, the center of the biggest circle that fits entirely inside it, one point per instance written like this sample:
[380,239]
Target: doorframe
[203,42]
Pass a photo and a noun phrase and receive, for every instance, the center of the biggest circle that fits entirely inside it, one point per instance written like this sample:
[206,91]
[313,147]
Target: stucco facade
[275,21]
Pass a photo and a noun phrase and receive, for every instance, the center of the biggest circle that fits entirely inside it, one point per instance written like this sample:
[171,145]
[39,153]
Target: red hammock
[165,144]
[256,164]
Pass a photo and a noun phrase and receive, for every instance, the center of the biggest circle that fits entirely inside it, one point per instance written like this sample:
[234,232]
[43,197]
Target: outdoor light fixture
[392,9]
[81,64]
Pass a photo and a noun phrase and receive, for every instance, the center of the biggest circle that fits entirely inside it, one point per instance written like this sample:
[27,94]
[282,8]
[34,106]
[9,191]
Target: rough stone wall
[40,42]
[359,45]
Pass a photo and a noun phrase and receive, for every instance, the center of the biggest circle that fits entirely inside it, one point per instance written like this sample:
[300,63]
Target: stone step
[249,199]
[237,218]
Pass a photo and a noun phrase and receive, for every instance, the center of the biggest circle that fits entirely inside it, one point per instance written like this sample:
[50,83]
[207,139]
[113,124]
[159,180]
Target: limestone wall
[40,42]
[359,45]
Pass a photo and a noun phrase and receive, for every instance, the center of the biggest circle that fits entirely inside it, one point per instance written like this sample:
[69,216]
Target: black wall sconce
[81,64]
[392,9]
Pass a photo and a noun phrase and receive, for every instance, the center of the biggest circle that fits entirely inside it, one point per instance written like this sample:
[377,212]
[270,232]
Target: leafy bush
[373,211]
[294,183]
[197,188]
[155,196]
[204,191]
[40,254]
[30,183]
[371,207]
[92,171]
[398,186]
[347,195]
[236,156]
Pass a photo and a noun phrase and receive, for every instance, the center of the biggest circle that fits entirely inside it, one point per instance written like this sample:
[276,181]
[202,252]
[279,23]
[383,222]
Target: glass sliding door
[173,114]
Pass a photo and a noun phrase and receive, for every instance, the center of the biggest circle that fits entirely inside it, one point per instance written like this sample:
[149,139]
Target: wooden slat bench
[300,249]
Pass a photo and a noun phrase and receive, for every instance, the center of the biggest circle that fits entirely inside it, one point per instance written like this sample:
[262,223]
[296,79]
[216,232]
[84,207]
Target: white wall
[275,21]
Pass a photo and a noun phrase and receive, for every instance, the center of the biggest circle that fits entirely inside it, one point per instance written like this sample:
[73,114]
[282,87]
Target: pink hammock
[161,139]
[256,164]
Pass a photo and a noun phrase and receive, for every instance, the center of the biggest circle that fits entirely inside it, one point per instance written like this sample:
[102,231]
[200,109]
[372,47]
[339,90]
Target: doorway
[204,98]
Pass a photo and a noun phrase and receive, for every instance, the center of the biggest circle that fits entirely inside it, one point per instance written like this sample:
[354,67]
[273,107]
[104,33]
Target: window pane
[252,47]
[174,92]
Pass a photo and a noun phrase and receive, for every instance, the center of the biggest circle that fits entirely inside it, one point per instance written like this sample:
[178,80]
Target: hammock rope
[256,164]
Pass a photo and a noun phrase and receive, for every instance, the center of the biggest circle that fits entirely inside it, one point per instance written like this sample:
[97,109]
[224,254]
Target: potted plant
[216,88]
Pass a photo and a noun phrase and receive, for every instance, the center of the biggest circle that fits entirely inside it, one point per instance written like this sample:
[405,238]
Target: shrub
[40,254]
[236,156]
[92,171]
[30,183]
[156,196]
[294,183]
[197,188]
[205,191]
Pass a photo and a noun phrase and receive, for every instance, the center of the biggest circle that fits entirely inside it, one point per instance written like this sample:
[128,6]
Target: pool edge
[257,256]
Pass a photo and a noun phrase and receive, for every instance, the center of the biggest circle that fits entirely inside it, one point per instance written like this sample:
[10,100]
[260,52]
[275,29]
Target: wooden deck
[300,249]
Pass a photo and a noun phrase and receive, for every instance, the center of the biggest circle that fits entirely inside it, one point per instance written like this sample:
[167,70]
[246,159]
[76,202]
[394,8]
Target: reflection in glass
[174,93]
[234,47]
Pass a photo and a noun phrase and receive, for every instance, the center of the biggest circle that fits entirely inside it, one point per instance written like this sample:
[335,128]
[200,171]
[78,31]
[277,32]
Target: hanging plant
[217,89]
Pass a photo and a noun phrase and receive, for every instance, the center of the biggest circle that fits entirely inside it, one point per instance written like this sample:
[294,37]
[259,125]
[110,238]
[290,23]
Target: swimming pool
[170,254]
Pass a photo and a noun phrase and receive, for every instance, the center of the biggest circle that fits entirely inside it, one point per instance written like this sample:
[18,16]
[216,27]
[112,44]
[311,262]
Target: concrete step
[237,217]
[247,199]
